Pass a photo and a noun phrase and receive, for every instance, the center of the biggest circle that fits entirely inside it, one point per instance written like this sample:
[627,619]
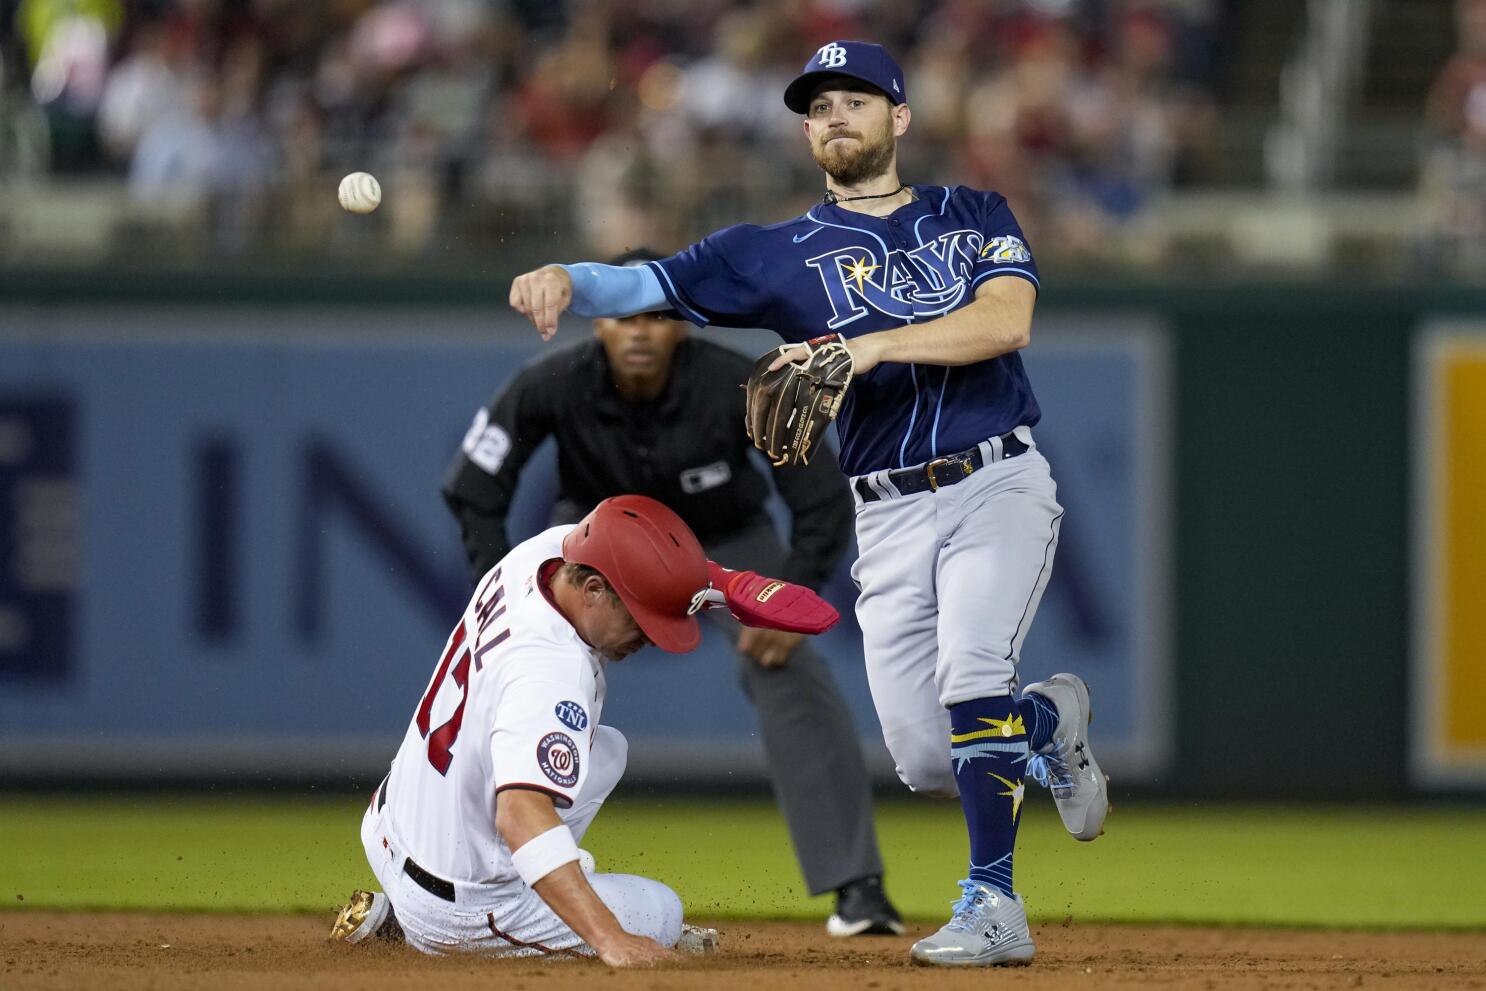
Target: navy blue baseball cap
[853,59]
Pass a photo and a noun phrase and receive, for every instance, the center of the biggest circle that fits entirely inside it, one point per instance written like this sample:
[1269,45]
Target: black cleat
[862,909]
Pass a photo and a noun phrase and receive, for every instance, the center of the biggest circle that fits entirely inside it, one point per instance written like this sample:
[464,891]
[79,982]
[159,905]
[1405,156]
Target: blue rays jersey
[834,270]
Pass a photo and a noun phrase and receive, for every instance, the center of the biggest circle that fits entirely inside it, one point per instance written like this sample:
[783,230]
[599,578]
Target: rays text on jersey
[909,283]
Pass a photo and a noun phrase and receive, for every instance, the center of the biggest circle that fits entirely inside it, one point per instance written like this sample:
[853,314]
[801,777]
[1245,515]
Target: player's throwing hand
[541,296]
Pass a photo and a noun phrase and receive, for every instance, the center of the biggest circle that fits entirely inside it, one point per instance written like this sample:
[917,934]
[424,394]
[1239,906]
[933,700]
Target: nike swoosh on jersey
[801,237]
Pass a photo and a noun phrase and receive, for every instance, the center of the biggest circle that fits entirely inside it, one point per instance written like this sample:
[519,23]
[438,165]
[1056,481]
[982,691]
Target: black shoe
[862,909]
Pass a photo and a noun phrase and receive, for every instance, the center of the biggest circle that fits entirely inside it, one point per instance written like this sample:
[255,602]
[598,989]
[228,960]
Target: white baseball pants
[510,919]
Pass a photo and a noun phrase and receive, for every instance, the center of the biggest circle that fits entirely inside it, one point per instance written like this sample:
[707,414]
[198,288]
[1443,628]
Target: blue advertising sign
[38,538]
[269,571]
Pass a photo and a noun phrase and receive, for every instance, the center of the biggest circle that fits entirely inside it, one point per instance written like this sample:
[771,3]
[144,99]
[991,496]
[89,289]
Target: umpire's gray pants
[815,761]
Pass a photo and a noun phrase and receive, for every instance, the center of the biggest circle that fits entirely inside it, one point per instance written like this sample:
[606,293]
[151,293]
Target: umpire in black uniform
[645,409]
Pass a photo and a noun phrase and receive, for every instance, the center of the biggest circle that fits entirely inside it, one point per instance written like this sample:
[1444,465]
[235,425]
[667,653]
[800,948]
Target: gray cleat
[1067,765]
[988,929]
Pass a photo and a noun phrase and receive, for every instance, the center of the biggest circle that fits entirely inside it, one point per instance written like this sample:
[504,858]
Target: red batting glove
[770,603]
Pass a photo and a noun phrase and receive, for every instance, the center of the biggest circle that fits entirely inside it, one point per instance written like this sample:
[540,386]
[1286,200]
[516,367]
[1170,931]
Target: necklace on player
[831,198]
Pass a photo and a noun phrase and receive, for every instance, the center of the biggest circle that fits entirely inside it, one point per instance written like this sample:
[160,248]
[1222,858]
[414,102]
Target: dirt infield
[127,951]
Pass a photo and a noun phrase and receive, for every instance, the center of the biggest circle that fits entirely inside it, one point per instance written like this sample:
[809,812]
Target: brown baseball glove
[789,408]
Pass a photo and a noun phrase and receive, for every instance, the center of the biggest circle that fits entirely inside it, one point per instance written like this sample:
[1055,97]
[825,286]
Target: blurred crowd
[1453,172]
[608,122]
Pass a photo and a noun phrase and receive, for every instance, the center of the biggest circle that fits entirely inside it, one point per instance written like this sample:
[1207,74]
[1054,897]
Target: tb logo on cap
[832,56]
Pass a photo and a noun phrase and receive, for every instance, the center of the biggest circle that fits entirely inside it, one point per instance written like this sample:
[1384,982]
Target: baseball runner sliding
[474,833]
[905,308]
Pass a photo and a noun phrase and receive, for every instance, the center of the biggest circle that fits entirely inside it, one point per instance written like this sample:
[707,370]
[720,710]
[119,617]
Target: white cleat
[988,929]
[698,940]
[1067,765]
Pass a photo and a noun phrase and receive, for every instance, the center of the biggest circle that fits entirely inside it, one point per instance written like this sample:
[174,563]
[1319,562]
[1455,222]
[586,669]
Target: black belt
[941,471]
[435,886]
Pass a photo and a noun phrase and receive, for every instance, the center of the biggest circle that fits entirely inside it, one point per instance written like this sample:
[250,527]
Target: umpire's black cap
[635,258]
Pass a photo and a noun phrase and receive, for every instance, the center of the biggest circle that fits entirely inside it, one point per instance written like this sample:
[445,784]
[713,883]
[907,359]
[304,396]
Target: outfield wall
[226,556]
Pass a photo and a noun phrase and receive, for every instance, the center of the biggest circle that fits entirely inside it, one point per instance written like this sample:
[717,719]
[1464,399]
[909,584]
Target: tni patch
[571,715]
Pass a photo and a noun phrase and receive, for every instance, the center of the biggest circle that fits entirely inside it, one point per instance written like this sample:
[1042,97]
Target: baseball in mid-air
[360,192]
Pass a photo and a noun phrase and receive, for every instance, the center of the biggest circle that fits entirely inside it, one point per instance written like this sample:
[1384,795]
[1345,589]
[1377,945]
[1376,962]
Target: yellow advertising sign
[1449,662]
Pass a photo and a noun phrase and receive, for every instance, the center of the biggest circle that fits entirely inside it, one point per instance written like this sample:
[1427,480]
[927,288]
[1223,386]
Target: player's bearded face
[858,150]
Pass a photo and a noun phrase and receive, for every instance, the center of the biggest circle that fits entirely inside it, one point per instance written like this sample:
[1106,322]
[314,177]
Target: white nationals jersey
[514,701]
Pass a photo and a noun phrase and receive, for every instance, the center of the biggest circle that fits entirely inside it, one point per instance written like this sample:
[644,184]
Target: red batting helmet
[651,559]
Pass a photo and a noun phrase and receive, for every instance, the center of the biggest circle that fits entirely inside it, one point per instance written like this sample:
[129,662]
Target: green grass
[1333,866]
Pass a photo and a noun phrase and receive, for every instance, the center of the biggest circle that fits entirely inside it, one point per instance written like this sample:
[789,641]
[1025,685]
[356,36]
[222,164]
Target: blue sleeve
[1005,251]
[721,279]
[613,290]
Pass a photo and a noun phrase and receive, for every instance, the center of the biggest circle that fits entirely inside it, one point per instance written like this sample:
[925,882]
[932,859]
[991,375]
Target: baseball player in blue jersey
[931,289]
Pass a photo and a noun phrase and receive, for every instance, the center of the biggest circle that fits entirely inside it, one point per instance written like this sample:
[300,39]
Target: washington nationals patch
[557,756]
